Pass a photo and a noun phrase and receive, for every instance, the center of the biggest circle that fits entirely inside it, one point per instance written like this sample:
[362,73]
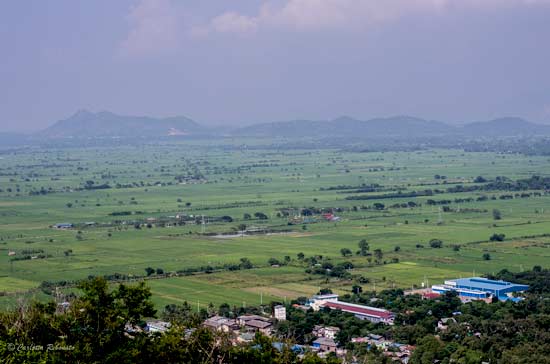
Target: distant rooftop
[488,284]
[359,309]
[258,324]
[325,341]
[252,317]
[325,296]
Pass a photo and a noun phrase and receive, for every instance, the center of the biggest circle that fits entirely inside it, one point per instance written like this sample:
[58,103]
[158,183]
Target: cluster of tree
[538,279]
[150,271]
[94,330]
[436,243]
[277,262]
[497,237]
[29,257]
[501,183]
[373,187]
[31,251]
[431,202]
[123,213]
[399,194]
[340,270]
[408,204]
[308,211]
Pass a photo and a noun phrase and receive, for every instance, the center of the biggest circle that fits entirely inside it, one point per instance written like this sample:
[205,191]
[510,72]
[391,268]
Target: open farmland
[192,210]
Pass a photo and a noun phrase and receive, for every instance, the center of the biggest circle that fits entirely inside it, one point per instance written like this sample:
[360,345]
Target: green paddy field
[117,187]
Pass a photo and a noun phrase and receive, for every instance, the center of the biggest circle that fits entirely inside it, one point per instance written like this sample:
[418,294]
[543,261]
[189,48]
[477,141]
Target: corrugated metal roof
[488,284]
[361,310]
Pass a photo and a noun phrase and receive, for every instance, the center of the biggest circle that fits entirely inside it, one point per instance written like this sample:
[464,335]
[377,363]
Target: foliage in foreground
[92,330]
[95,329]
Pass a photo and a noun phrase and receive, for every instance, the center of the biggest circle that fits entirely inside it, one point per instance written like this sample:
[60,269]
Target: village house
[157,326]
[219,323]
[255,323]
[242,320]
[325,344]
[397,352]
[329,332]
[373,340]
[279,312]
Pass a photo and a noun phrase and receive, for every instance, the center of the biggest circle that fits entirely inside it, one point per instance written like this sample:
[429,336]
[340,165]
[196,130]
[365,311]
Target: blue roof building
[480,288]
[496,288]
[463,293]
[298,349]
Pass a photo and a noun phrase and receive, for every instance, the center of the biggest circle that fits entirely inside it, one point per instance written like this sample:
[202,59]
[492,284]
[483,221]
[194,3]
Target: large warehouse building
[477,288]
[372,314]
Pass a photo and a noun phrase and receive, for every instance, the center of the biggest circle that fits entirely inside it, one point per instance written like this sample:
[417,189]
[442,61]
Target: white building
[279,312]
[372,314]
[158,326]
[329,332]
[316,301]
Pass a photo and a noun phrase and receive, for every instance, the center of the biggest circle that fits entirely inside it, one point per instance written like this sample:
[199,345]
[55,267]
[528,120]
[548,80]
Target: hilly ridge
[107,124]
[395,127]
[508,126]
[85,124]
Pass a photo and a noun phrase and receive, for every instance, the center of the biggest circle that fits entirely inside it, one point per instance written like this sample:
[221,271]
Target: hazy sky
[245,61]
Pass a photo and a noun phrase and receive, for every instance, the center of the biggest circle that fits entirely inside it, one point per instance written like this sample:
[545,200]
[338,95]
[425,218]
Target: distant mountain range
[106,124]
[394,127]
[88,125]
[505,127]
[400,126]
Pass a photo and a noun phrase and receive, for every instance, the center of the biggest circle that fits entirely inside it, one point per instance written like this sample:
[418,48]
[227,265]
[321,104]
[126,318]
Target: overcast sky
[247,61]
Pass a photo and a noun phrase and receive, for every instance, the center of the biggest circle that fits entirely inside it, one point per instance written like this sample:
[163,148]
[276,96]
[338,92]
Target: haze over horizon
[248,62]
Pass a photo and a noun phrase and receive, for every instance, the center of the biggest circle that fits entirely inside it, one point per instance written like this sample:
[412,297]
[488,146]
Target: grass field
[40,188]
